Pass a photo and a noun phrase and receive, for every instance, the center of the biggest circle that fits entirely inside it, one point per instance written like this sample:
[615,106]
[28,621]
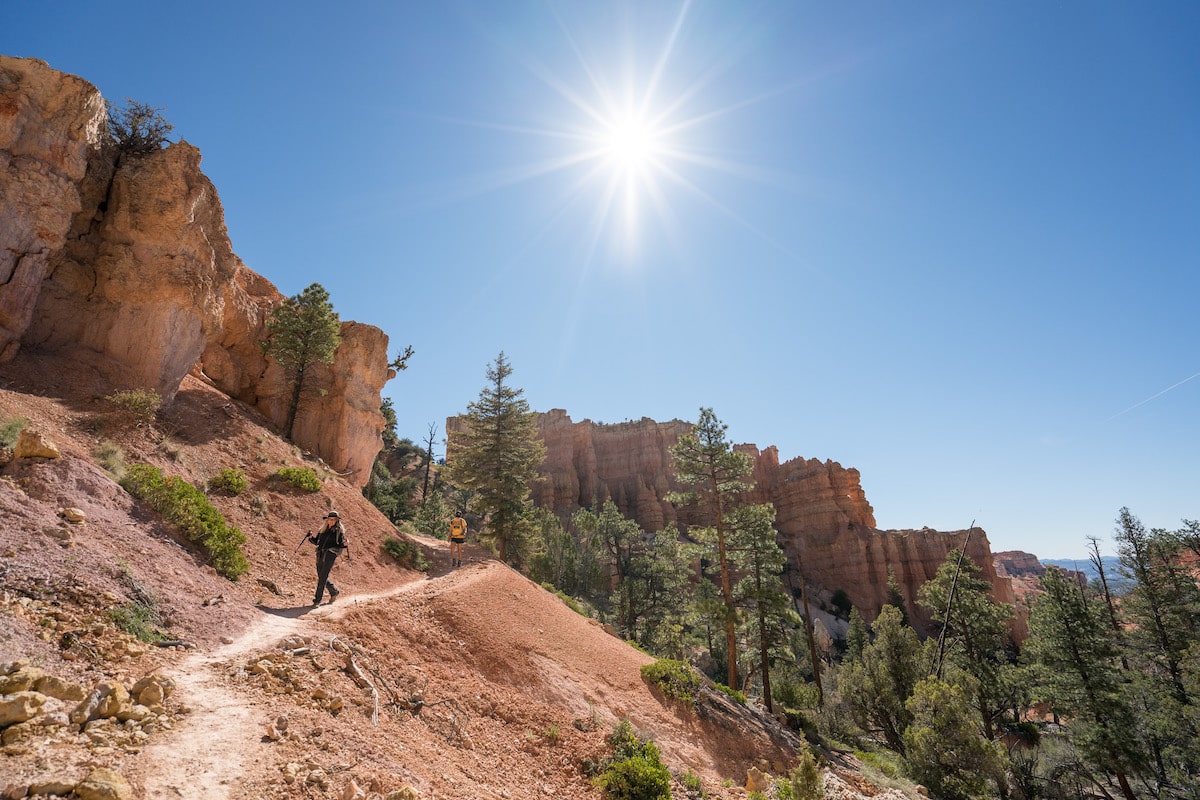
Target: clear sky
[953,245]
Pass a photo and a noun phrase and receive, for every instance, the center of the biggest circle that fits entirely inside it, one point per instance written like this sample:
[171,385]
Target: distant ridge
[1112,570]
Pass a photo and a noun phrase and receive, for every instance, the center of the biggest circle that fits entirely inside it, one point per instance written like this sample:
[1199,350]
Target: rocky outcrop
[629,463]
[124,262]
[145,287]
[1017,563]
[826,526]
[50,134]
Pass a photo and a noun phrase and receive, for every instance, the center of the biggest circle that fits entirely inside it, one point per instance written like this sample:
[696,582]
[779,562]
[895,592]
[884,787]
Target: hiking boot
[333,594]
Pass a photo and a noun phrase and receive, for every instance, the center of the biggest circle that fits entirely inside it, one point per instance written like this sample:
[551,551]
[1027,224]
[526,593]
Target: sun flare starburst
[633,145]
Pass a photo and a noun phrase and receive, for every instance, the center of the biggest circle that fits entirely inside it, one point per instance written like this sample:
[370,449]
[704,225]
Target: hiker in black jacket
[330,542]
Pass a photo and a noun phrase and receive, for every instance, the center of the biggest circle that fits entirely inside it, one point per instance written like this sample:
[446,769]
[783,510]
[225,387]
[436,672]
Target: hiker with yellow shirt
[458,535]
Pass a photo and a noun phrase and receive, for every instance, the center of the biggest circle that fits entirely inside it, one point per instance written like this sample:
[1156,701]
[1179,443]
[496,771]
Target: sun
[632,145]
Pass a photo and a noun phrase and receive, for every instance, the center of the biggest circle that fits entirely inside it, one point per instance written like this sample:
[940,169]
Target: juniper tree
[944,747]
[496,455]
[876,687]
[302,332]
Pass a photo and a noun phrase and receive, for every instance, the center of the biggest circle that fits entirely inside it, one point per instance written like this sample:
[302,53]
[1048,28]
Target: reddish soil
[471,683]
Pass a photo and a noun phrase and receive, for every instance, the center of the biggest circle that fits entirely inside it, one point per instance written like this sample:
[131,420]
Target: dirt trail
[220,739]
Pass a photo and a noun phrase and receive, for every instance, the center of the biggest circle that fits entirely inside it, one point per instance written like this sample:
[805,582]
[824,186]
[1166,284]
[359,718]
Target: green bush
[692,784]
[302,478]
[186,506]
[406,553]
[736,695]
[804,782]
[10,431]
[676,679]
[231,480]
[141,403]
[137,620]
[636,771]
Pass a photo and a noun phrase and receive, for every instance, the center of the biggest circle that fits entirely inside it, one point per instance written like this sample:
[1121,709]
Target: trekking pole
[289,559]
[353,580]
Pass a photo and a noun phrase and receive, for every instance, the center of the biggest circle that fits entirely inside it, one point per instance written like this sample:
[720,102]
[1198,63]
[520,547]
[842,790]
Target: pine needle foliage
[496,455]
[302,332]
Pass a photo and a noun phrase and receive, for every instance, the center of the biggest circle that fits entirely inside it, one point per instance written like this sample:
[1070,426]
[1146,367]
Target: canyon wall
[123,261]
[826,526]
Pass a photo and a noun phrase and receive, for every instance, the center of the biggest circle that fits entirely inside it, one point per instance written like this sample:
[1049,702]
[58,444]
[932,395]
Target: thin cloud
[1153,397]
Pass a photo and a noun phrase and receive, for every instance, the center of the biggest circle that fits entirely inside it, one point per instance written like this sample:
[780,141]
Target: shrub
[636,771]
[676,679]
[186,506]
[137,620]
[110,456]
[302,478]
[406,553]
[10,431]
[736,695]
[230,480]
[804,782]
[137,127]
[691,784]
[141,403]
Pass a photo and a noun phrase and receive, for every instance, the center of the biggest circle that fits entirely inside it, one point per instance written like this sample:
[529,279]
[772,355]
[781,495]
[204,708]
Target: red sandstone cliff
[826,525]
[124,263]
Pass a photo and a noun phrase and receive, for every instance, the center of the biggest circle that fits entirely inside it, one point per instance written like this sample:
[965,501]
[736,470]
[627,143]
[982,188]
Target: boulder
[104,784]
[19,677]
[53,686]
[20,707]
[32,444]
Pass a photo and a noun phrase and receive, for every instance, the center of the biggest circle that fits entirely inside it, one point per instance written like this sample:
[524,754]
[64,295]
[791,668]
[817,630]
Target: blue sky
[953,245]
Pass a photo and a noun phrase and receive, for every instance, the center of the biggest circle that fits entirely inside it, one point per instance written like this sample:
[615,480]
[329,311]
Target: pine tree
[302,331]
[496,455]
[705,462]
[760,559]
[975,631]
[645,573]
[857,637]
[1074,655]
[1160,642]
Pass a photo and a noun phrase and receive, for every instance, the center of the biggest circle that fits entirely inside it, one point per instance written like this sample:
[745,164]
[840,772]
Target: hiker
[458,535]
[330,542]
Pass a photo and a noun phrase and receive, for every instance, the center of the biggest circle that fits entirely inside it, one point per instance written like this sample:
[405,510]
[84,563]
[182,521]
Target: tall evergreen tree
[976,633]
[1072,649]
[1160,640]
[302,331]
[705,463]
[760,559]
[496,455]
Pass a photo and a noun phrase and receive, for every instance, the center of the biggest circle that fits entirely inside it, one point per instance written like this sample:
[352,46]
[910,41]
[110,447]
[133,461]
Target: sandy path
[210,748]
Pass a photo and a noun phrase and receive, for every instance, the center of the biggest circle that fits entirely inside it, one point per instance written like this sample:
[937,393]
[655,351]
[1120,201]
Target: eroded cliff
[123,261]
[826,525]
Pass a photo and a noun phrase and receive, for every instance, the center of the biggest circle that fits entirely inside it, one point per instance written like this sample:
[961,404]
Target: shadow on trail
[291,612]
